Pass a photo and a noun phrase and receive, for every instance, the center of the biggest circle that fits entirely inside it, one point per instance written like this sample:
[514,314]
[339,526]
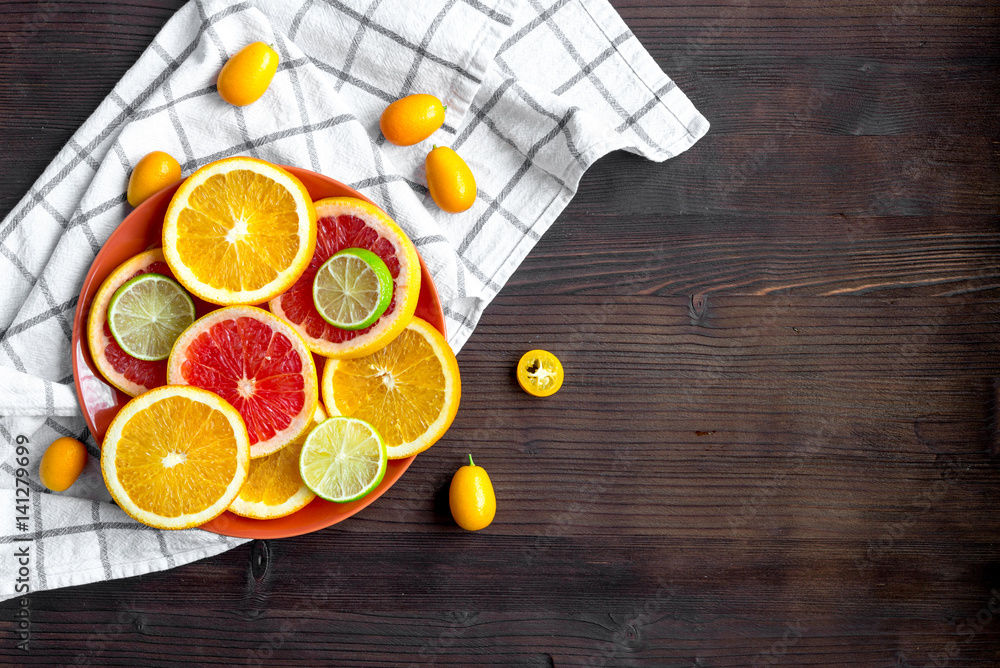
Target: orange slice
[130,375]
[239,231]
[255,362]
[409,390]
[274,487]
[346,222]
[175,457]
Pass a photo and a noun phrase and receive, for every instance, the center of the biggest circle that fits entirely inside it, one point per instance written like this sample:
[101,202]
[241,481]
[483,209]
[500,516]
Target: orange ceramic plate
[100,401]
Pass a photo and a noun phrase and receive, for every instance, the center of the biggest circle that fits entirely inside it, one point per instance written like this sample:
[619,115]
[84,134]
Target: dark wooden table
[777,443]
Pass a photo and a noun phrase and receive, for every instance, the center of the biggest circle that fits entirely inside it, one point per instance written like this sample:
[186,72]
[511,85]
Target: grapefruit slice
[409,390]
[347,222]
[255,362]
[239,231]
[175,457]
[130,375]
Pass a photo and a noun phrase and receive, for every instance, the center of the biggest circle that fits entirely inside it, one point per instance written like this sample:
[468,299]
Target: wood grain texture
[777,443]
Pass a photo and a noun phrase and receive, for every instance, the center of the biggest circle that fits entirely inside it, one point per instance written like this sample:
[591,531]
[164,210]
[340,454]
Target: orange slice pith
[130,375]
[409,390]
[258,364]
[347,222]
[274,487]
[181,476]
[239,231]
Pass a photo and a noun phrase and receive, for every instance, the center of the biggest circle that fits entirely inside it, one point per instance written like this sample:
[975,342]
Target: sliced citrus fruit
[346,222]
[408,390]
[239,231]
[539,373]
[129,374]
[352,289]
[274,487]
[255,362]
[343,459]
[147,314]
[175,457]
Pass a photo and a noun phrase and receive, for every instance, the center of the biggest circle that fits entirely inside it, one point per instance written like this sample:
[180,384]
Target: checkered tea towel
[536,91]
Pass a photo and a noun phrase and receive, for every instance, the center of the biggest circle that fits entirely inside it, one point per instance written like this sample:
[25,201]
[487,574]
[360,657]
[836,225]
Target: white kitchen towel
[536,91]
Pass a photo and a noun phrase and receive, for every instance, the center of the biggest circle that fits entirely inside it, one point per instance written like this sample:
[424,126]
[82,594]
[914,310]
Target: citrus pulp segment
[175,457]
[274,487]
[343,459]
[258,364]
[540,373]
[130,375]
[347,222]
[147,314]
[239,231]
[409,390]
[352,289]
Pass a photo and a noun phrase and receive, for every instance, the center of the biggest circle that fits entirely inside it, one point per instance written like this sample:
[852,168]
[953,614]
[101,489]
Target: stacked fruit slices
[226,411]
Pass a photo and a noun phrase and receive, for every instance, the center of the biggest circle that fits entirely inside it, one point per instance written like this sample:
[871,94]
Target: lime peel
[352,289]
[343,459]
[147,314]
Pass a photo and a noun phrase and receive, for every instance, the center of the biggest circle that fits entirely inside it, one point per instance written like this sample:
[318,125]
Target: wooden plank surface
[778,439]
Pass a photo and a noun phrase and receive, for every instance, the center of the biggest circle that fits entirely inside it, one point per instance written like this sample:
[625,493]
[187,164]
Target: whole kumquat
[412,119]
[452,185]
[153,173]
[473,503]
[247,75]
[62,463]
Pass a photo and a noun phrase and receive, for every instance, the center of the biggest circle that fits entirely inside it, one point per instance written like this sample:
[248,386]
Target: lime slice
[343,459]
[352,289]
[147,314]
